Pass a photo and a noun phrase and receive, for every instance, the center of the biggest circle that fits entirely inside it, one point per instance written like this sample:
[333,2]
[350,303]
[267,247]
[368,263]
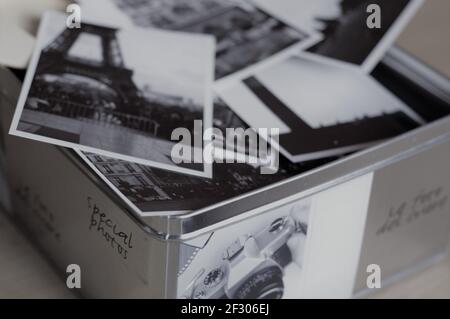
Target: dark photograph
[343,23]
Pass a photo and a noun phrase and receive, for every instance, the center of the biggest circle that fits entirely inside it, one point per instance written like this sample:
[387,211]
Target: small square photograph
[116,92]
[343,23]
[321,107]
[264,257]
[150,191]
[245,35]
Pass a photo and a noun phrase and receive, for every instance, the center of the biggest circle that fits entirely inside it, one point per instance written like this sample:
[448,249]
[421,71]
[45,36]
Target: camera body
[252,266]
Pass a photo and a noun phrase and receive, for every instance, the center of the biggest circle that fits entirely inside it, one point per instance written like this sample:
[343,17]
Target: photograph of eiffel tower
[120,92]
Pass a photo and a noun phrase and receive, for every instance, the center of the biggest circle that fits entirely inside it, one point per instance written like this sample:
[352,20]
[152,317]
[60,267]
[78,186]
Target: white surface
[18,26]
[335,234]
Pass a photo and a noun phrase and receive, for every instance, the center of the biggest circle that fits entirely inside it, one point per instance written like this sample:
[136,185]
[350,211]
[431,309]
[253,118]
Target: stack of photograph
[117,88]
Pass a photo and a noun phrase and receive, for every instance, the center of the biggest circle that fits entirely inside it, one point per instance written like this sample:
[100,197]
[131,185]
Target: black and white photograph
[119,93]
[245,35]
[343,23]
[149,191]
[322,108]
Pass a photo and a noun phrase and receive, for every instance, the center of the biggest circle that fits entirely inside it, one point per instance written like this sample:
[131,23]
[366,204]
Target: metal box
[317,234]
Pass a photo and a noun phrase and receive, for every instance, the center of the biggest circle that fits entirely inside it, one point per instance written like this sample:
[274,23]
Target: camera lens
[266,283]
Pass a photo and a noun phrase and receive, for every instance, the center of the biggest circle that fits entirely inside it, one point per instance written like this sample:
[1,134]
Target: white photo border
[207,111]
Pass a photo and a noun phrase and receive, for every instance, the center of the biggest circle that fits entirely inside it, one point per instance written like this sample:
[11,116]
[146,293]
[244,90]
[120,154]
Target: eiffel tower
[111,71]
